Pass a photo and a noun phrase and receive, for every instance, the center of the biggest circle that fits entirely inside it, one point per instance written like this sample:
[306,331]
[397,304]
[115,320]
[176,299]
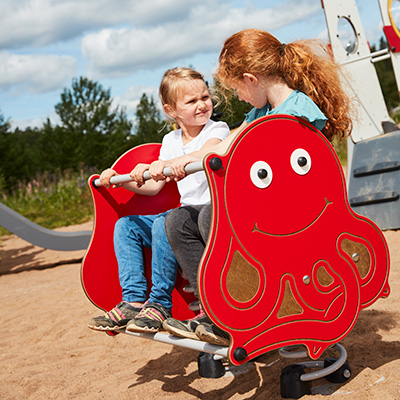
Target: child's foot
[208,332]
[185,329]
[115,319]
[150,318]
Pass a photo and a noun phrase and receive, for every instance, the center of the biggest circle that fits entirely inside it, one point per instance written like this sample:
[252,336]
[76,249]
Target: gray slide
[42,237]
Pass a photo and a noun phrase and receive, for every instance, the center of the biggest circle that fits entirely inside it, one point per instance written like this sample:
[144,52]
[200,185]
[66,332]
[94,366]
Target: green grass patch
[52,201]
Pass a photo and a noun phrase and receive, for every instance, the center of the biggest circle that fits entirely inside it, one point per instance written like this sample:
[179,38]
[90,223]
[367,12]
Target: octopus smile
[256,229]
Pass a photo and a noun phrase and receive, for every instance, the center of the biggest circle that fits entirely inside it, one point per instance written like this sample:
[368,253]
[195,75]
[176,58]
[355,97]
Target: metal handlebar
[189,169]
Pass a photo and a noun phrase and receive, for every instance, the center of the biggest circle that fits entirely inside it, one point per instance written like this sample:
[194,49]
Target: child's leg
[187,230]
[182,229]
[204,222]
[131,234]
[163,264]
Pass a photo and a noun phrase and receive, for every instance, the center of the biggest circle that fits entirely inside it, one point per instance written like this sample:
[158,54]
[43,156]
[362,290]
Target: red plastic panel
[392,38]
[99,272]
[288,261]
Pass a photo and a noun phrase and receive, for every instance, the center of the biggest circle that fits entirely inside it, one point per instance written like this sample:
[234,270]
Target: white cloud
[34,73]
[42,22]
[39,52]
[120,52]
[125,36]
[27,123]
[157,12]
[24,123]
[131,98]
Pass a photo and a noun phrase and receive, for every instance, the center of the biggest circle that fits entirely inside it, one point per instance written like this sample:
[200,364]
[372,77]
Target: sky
[126,45]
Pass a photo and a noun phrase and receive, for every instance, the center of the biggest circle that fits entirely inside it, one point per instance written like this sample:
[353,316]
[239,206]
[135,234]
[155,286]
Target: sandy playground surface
[47,352]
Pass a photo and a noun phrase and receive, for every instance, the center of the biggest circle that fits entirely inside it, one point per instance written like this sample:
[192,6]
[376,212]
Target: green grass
[52,201]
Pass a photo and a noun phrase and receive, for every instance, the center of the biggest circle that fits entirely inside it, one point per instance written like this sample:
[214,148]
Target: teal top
[297,104]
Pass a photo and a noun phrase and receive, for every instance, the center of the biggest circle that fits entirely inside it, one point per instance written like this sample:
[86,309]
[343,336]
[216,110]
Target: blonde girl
[186,99]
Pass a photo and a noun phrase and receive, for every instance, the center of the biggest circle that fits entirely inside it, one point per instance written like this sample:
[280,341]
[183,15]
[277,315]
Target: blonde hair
[171,85]
[305,65]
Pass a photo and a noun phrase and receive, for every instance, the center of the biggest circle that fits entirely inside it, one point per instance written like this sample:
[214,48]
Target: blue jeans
[131,234]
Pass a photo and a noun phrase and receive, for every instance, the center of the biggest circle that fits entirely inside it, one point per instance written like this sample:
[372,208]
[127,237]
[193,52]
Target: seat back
[99,271]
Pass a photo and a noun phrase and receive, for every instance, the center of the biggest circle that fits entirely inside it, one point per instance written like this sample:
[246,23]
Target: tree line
[92,133]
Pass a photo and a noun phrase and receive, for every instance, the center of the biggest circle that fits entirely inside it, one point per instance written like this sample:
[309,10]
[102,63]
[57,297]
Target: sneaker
[185,329]
[115,319]
[208,332]
[150,318]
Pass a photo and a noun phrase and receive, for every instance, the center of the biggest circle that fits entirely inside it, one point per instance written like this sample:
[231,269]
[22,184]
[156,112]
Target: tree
[57,148]
[384,70]
[4,150]
[96,132]
[229,108]
[19,154]
[150,128]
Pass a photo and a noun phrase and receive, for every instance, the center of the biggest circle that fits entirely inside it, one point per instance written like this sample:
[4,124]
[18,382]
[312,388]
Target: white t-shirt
[193,188]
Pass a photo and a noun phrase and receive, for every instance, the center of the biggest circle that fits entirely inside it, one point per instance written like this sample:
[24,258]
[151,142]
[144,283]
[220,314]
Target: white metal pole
[190,168]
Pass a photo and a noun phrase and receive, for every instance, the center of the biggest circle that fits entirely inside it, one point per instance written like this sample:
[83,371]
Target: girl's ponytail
[304,65]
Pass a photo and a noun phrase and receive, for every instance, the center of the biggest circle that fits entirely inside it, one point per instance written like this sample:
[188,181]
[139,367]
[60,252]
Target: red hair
[305,65]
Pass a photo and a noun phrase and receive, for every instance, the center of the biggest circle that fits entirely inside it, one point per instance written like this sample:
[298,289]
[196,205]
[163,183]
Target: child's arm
[138,185]
[222,147]
[219,146]
[178,164]
[213,145]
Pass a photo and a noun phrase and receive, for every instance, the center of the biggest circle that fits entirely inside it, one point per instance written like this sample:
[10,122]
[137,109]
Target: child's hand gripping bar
[189,169]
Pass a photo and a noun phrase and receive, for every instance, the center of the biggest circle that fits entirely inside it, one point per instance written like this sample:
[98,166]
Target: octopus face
[286,186]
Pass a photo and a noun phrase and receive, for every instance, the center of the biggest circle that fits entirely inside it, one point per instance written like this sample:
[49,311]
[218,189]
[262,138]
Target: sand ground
[47,352]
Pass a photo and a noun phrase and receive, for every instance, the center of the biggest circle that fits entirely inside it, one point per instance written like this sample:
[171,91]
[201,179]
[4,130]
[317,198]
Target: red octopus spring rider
[287,262]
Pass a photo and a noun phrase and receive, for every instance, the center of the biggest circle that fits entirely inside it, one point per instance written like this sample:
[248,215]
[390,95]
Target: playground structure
[311,302]
[373,167]
[287,262]
[42,237]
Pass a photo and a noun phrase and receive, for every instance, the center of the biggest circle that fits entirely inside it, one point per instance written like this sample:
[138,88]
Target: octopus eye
[300,161]
[261,174]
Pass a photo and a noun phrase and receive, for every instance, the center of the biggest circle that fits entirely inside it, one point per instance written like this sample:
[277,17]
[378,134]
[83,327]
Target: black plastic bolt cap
[215,163]
[239,354]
